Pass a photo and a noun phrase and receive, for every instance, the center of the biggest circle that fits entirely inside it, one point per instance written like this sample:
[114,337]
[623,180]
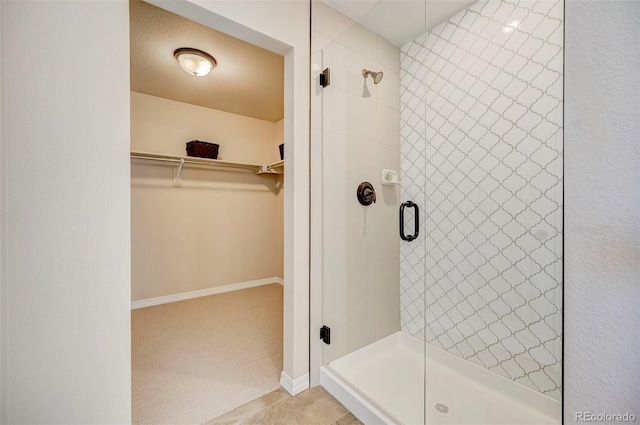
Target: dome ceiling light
[195,62]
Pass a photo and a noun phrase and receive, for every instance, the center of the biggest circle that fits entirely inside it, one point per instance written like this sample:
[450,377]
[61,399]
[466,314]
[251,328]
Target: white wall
[3,240]
[66,140]
[602,208]
[285,24]
[220,227]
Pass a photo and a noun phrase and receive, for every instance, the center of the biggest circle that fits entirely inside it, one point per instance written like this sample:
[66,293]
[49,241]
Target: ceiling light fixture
[194,62]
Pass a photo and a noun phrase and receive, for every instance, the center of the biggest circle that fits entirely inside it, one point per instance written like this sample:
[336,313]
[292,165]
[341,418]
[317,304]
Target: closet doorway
[207,234]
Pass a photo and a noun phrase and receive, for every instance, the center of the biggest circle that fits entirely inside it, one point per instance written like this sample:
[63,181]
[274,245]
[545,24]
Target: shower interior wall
[359,129]
[482,153]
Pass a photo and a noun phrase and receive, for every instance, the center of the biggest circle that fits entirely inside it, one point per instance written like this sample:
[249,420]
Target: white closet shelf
[275,168]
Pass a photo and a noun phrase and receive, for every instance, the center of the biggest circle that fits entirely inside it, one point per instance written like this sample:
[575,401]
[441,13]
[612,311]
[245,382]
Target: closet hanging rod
[195,161]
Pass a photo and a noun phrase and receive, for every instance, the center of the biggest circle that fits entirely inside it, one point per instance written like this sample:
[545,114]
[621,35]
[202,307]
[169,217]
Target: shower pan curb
[391,372]
[357,404]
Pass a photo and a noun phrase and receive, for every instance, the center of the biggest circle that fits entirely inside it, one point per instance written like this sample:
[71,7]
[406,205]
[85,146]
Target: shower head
[377,76]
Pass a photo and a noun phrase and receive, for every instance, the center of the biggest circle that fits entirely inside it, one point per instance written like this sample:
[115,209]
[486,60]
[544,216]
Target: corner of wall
[294,386]
[279,200]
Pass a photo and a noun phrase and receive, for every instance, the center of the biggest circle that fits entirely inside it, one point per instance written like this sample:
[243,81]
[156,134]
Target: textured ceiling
[400,21]
[248,80]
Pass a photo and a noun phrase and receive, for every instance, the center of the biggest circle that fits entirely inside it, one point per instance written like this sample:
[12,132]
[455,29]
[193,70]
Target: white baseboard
[294,386]
[148,302]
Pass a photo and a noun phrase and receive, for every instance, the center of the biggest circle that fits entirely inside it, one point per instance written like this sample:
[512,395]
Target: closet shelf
[276,168]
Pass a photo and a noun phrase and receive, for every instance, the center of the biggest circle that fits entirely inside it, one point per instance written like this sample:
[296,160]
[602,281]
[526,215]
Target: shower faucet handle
[366,193]
[371,194]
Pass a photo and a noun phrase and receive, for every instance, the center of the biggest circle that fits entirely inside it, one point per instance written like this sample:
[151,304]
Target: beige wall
[279,133]
[360,135]
[162,125]
[220,227]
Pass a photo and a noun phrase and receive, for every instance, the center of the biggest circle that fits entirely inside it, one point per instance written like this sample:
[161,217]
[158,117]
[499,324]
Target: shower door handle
[416,219]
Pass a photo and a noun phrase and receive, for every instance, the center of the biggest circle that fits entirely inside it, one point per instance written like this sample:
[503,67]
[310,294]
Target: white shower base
[384,383]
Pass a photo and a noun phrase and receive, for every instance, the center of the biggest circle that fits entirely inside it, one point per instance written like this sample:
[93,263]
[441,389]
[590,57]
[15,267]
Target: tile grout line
[341,417]
[243,420]
[289,396]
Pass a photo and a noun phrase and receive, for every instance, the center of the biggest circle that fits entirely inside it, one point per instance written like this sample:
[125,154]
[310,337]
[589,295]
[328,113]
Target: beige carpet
[197,359]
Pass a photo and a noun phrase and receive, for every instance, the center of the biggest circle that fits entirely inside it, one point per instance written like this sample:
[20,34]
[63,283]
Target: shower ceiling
[399,21]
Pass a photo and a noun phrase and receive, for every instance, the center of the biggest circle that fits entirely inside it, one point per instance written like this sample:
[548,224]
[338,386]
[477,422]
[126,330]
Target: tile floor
[312,407]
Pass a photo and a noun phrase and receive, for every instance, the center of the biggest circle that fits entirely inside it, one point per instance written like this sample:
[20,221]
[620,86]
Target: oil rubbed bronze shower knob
[366,193]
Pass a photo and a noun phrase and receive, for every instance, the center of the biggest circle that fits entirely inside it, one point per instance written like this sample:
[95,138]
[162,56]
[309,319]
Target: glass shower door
[439,128]
[493,77]
[356,131]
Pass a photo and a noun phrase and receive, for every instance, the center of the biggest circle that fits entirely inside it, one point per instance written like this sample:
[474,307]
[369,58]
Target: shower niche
[466,104]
